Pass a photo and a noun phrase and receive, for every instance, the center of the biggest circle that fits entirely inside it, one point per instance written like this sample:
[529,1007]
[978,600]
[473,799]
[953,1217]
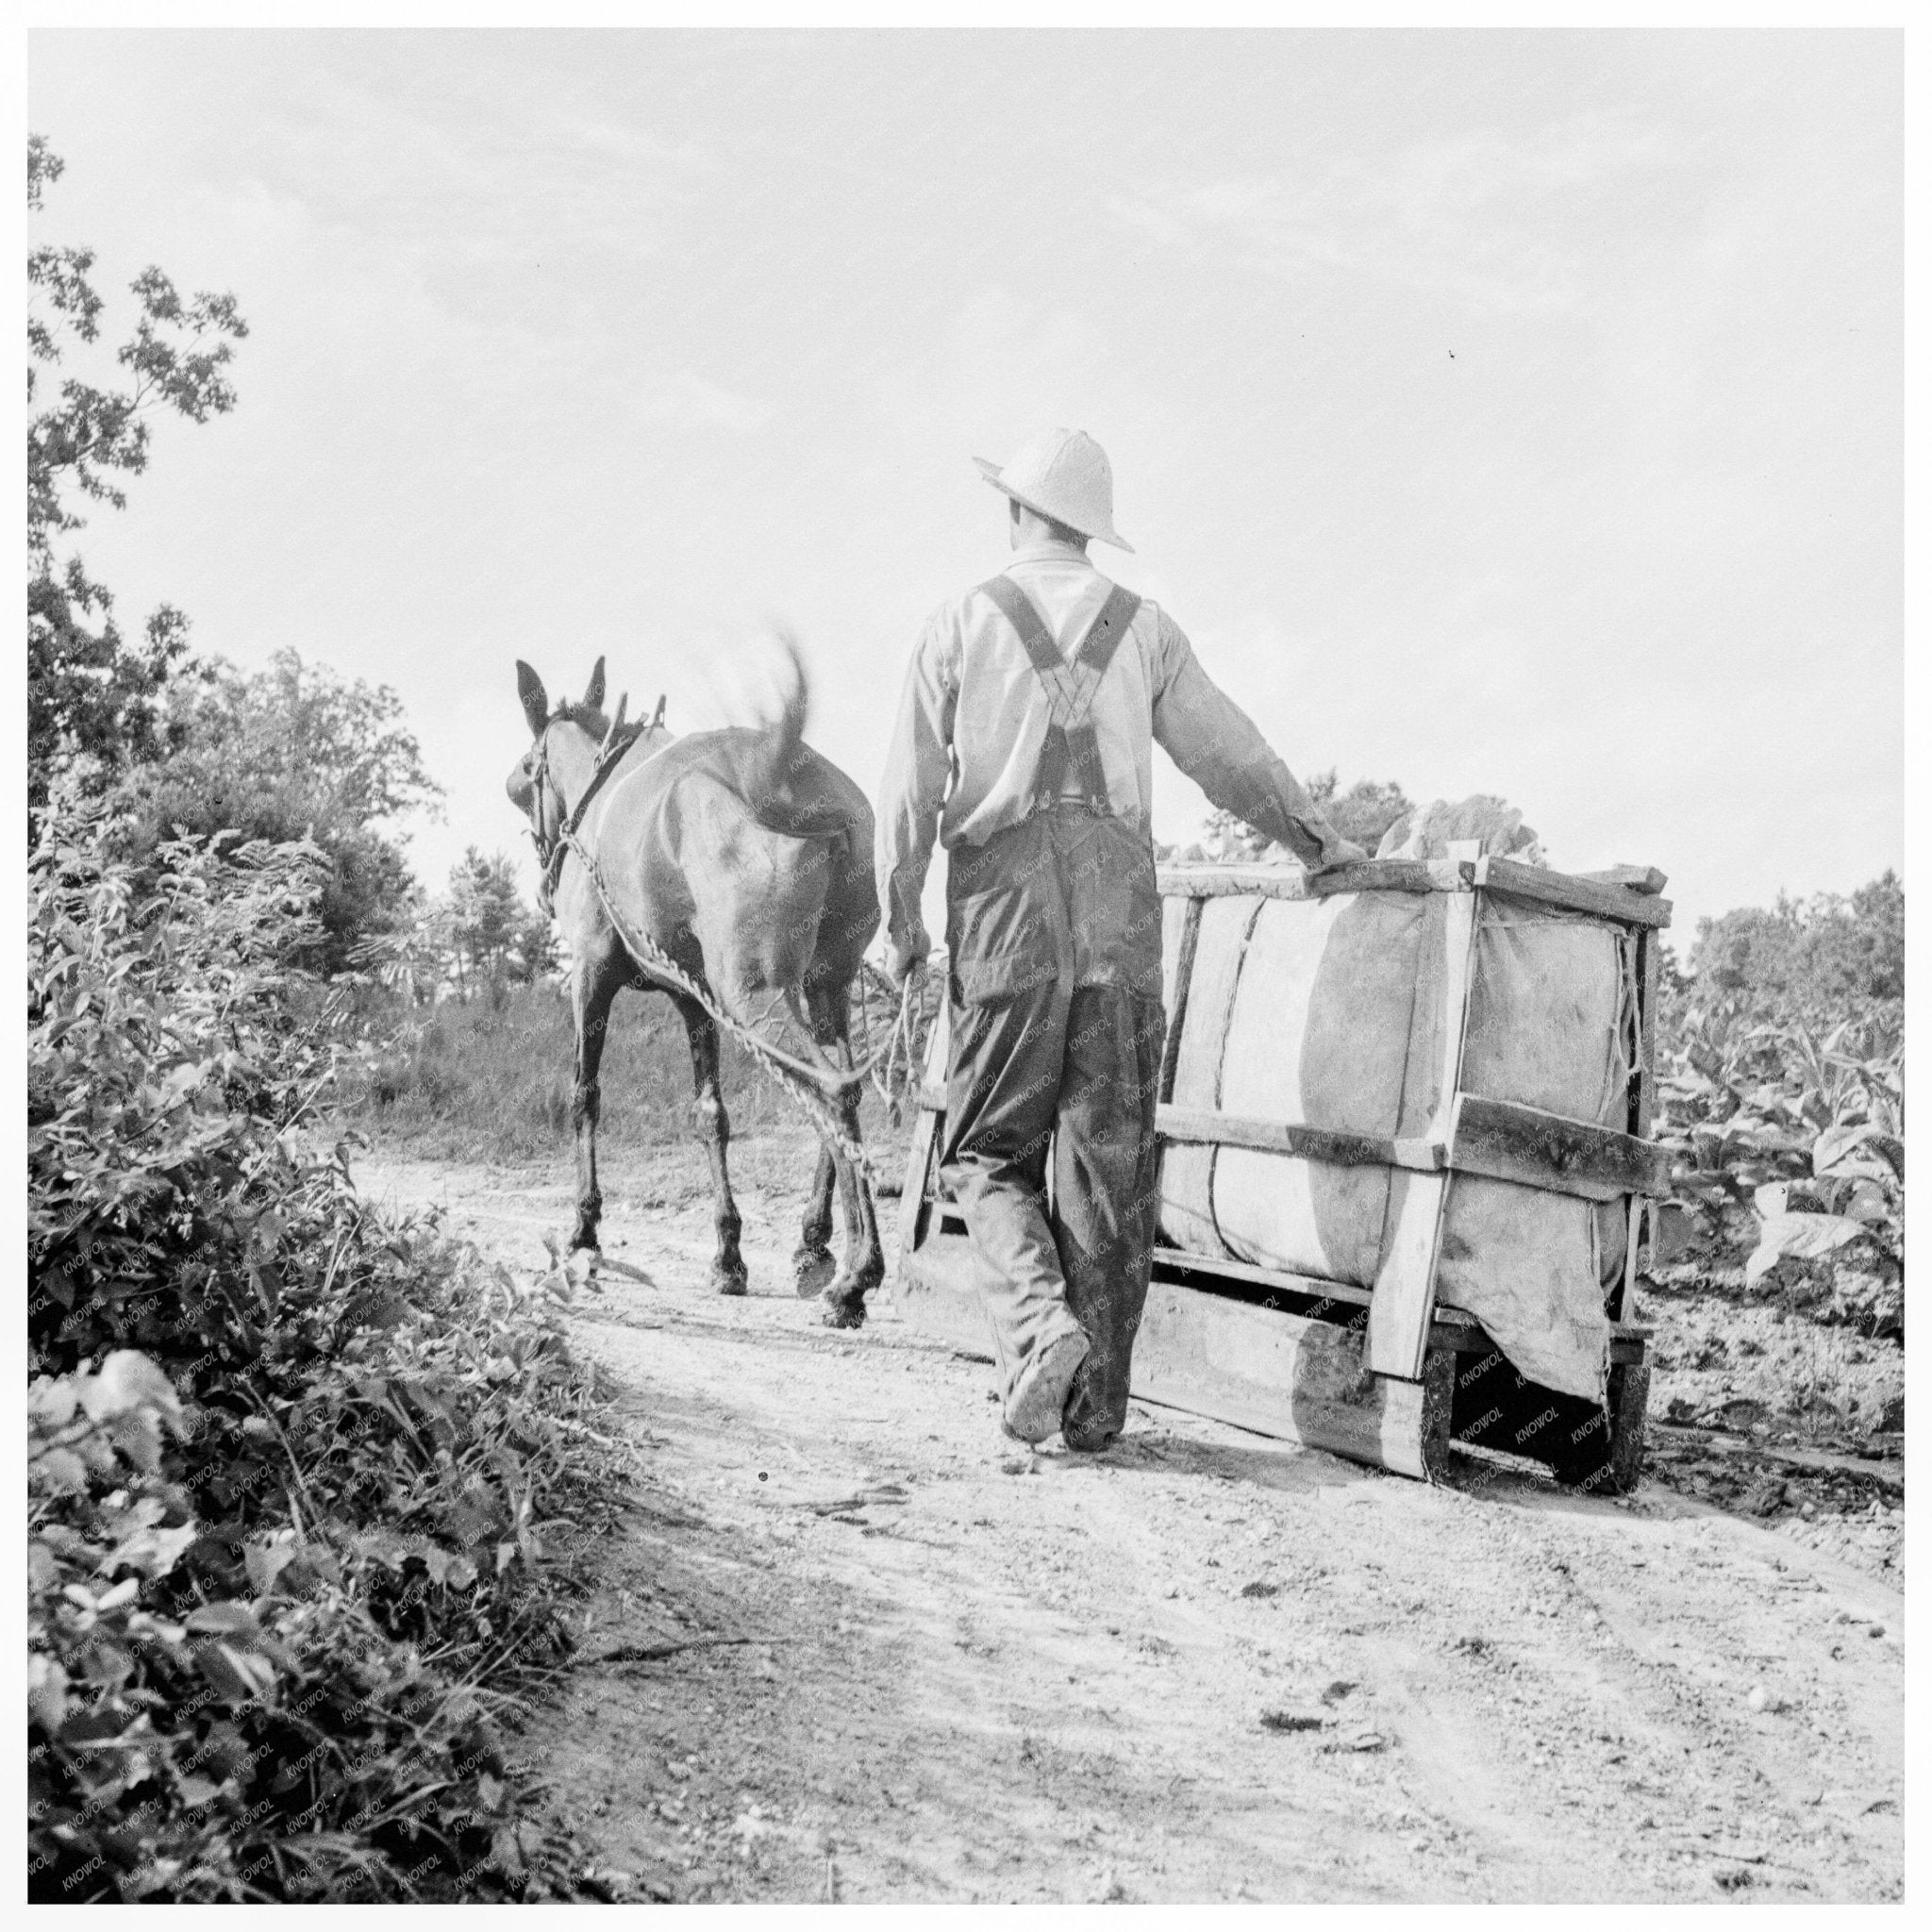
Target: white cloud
[1497,222]
[999,369]
[688,397]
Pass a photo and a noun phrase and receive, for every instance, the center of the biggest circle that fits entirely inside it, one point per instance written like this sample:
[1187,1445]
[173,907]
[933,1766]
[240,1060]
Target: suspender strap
[1104,633]
[1070,756]
[1018,611]
[1091,659]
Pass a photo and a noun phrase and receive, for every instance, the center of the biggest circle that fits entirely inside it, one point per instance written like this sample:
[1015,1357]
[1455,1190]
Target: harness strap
[1070,755]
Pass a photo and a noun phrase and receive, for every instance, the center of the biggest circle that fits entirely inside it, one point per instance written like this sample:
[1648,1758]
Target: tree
[89,689]
[495,935]
[338,747]
[1363,813]
[295,750]
[1813,957]
[483,899]
[480,936]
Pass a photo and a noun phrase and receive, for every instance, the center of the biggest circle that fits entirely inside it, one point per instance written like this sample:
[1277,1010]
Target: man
[1024,738]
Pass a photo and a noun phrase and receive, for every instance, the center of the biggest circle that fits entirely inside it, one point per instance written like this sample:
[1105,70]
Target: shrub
[300,1478]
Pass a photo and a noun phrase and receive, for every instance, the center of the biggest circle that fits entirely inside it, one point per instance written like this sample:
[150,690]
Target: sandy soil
[856,1646]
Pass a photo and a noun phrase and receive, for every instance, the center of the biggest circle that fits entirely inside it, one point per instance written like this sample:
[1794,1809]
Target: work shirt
[973,716]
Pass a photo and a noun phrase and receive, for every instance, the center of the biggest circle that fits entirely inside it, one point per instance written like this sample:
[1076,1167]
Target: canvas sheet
[1300,1011]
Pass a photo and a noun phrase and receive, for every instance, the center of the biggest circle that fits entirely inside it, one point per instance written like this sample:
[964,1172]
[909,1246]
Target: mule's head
[535,780]
[588,713]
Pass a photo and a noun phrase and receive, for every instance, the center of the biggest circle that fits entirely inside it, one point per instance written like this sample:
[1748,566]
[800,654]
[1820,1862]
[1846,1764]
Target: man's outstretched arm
[918,767]
[1216,744]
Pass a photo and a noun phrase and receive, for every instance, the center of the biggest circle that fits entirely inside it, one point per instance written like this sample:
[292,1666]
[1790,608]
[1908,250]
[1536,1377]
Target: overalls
[1054,983]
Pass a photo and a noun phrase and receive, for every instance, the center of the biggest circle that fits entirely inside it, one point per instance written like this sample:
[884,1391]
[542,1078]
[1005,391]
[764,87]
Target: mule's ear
[657,716]
[593,691]
[536,705]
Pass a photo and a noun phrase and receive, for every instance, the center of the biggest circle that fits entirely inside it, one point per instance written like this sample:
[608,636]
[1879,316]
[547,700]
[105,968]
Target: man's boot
[1034,1412]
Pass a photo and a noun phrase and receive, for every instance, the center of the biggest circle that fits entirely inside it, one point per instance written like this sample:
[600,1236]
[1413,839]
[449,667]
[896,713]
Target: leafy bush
[301,1478]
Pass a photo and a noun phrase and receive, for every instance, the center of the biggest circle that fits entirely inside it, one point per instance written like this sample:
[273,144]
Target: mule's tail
[779,738]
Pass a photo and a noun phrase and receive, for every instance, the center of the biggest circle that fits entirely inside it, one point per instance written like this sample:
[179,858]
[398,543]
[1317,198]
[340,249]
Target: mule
[747,857]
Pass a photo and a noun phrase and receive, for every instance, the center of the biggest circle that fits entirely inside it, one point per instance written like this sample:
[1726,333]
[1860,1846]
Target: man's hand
[904,966]
[1343,852]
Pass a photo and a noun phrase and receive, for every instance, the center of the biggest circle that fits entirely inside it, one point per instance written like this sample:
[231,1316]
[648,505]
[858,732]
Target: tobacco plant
[1789,1138]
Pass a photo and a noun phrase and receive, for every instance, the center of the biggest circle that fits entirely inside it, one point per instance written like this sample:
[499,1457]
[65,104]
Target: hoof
[843,1311]
[813,1269]
[730,1280]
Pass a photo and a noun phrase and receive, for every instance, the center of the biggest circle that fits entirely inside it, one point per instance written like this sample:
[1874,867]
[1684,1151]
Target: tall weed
[483,1079]
[475,1079]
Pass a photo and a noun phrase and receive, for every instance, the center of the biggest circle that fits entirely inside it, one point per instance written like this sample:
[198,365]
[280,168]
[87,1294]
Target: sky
[1505,412]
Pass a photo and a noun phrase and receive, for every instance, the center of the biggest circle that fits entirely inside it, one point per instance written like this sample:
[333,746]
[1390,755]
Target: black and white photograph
[966,962]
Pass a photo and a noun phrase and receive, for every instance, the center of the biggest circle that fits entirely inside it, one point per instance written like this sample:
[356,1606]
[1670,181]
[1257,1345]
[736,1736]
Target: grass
[471,1082]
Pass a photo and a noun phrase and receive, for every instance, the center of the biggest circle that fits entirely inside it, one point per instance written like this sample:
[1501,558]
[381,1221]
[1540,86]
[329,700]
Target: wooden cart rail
[1450,1327]
[1495,1139]
[1626,893]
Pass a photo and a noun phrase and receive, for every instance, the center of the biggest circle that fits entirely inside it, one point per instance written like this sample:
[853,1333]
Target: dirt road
[858,1646]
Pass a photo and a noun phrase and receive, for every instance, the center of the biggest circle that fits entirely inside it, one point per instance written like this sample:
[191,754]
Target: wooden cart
[1389,1374]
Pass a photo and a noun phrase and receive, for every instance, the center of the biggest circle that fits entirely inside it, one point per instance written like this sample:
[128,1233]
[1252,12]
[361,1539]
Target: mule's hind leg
[865,1261]
[594,986]
[813,1264]
[715,1129]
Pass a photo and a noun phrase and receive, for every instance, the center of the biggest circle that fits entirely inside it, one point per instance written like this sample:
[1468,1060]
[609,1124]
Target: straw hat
[1063,475]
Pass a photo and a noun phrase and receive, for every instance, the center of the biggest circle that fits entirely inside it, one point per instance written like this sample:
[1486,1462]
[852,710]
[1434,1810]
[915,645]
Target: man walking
[1024,737]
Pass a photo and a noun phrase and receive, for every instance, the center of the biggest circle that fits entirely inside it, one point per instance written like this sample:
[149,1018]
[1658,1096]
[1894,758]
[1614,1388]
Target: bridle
[553,842]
